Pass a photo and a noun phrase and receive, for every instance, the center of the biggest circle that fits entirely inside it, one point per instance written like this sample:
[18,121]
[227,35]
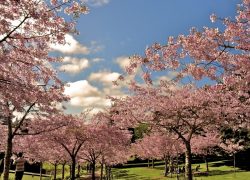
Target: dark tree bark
[55,170]
[171,166]
[63,170]
[234,162]
[93,171]
[108,172]
[78,170]
[166,166]
[188,158]
[101,171]
[206,161]
[41,169]
[73,168]
[8,151]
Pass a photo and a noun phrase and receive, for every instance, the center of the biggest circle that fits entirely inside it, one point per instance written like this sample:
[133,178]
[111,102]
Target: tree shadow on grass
[220,163]
[214,173]
[241,164]
[124,175]
[162,168]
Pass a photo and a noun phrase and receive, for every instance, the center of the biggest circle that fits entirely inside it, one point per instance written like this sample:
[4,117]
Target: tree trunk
[188,165]
[101,171]
[178,169]
[63,170]
[55,170]
[78,170]
[41,169]
[148,163]
[206,161]
[110,175]
[73,168]
[108,172]
[234,162]
[93,171]
[166,166]
[153,163]
[70,171]
[171,166]
[8,151]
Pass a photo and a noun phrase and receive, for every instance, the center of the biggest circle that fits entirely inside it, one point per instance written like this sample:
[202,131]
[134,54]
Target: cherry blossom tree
[158,146]
[32,126]
[204,145]
[186,112]
[231,147]
[40,150]
[211,52]
[222,56]
[107,145]
[27,80]
[70,139]
[116,149]
[58,145]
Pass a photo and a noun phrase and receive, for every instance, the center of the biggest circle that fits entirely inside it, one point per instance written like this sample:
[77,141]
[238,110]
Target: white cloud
[95,47]
[74,65]
[80,89]
[72,46]
[122,61]
[85,95]
[114,91]
[107,78]
[98,2]
[97,60]
[163,78]
[104,77]
[89,102]
[168,77]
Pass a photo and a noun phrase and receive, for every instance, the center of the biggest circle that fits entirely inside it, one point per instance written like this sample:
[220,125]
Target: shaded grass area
[27,177]
[137,173]
[217,171]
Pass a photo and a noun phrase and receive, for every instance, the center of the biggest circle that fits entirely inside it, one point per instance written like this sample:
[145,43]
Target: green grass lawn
[27,177]
[218,171]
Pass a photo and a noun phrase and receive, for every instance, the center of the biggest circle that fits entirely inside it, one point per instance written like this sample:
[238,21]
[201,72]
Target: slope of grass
[217,171]
[28,177]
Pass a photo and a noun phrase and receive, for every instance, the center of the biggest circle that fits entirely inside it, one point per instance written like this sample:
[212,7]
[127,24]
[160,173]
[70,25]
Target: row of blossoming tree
[178,114]
[31,92]
[29,87]
[75,142]
[209,92]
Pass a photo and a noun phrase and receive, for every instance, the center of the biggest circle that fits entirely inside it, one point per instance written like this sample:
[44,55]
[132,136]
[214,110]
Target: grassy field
[28,177]
[218,171]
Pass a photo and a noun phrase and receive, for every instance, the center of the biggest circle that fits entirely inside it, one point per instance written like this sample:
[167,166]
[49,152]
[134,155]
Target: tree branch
[23,118]
[13,30]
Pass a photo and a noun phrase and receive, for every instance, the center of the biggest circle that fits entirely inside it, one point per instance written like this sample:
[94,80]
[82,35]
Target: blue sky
[117,29]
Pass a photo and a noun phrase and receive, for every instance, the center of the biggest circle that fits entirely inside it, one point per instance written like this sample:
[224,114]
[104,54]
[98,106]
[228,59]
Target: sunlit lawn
[27,177]
[217,172]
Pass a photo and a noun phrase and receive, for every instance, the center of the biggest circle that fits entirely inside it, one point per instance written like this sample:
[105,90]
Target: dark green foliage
[140,130]
[241,135]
